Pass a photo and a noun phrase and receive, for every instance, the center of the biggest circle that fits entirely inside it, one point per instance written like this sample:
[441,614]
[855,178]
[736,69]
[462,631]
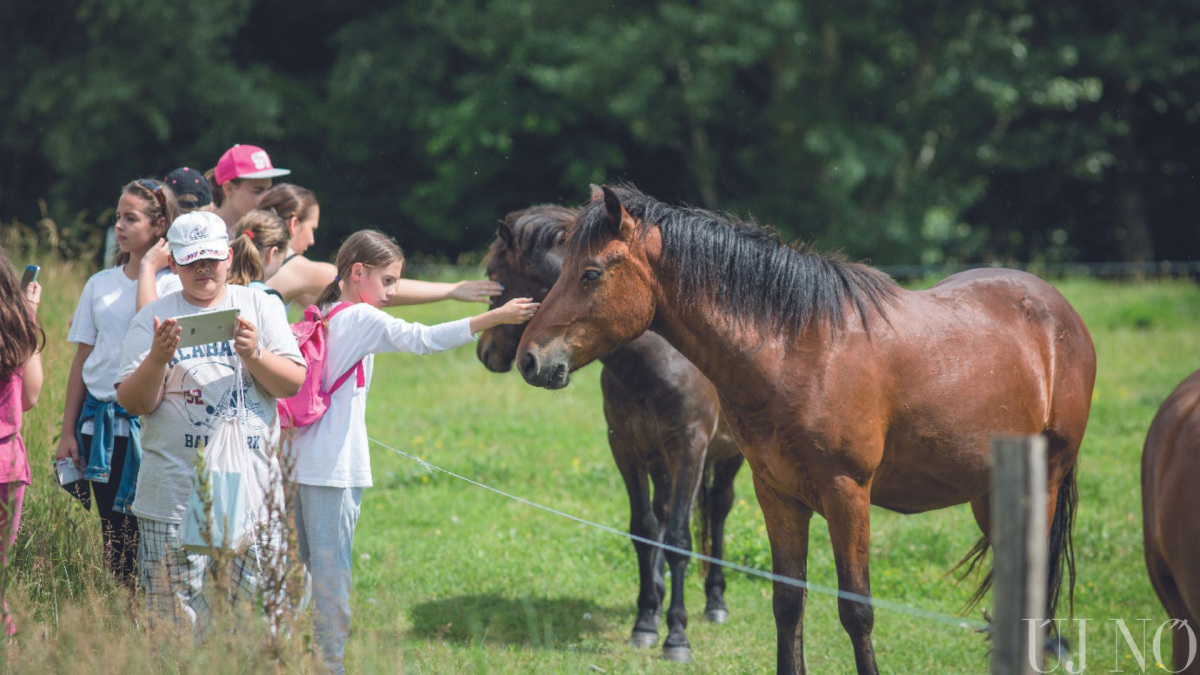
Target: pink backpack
[307,406]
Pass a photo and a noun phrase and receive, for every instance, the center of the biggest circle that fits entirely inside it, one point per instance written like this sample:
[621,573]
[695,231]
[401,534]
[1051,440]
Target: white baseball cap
[198,235]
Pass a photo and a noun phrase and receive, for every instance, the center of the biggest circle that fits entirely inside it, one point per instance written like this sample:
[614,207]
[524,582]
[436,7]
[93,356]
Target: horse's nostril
[528,365]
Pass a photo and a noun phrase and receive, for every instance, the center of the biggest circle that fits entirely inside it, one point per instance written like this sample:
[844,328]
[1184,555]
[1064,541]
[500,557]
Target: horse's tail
[1061,554]
[703,506]
[973,559]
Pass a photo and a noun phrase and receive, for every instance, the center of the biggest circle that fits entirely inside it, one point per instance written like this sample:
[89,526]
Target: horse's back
[1170,500]
[982,353]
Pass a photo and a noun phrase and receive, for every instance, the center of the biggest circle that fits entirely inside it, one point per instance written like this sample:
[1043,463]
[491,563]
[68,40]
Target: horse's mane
[536,230]
[745,269]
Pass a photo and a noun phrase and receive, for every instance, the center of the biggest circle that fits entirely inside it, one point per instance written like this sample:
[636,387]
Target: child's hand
[157,257]
[166,341]
[33,296]
[476,291]
[245,341]
[68,447]
[517,310]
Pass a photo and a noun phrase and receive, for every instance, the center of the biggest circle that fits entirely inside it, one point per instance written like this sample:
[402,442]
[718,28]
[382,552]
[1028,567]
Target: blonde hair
[19,326]
[372,248]
[257,231]
[162,208]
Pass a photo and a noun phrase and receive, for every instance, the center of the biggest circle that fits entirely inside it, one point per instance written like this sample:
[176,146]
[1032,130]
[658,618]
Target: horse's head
[603,298]
[525,258]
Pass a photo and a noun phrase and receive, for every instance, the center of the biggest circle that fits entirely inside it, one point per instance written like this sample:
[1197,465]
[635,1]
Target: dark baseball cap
[190,187]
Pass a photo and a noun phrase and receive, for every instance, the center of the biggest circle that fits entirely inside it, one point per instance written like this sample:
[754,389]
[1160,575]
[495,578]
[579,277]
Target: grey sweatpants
[325,520]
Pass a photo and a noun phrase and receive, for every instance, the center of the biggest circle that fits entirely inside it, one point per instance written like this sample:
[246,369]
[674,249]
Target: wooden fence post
[1019,542]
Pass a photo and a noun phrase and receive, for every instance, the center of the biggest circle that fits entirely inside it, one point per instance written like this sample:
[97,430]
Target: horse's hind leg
[718,504]
[685,481]
[642,523]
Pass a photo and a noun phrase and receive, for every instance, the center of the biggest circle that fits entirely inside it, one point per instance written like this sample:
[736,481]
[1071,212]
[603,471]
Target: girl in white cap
[181,394]
[239,180]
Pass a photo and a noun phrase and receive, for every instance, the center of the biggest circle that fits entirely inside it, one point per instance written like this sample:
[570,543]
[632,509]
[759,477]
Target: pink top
[14,465]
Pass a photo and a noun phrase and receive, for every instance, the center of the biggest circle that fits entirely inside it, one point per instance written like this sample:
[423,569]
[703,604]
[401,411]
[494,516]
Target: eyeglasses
[156,188]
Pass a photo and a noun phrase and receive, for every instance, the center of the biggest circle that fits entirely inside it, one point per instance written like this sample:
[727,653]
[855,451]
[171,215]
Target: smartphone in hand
[30,276]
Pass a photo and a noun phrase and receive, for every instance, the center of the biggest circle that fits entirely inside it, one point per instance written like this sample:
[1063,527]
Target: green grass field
[451,578]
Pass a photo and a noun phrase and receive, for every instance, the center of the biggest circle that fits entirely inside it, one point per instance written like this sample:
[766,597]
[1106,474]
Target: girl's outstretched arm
[416,292]
[517,310]
[281,377]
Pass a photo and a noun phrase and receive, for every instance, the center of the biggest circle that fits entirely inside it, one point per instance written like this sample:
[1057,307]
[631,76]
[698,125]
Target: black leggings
[120,531]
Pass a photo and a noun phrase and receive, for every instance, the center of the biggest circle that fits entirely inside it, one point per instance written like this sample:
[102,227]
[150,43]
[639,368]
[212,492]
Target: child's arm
[415,292]
[68,446]
[517,310]
[147,283]
[281,377]
[31,372]
[142,391]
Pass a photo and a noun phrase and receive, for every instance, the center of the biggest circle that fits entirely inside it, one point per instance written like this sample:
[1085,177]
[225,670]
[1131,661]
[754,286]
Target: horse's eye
[590,275]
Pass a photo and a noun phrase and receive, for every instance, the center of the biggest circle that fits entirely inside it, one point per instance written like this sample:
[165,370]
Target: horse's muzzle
[549,371]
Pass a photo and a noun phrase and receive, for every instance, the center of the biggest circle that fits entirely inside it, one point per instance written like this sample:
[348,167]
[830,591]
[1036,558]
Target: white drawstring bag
[225,474]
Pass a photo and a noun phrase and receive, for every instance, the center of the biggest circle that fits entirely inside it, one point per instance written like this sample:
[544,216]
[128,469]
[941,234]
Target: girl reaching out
[300,279]
[332,464]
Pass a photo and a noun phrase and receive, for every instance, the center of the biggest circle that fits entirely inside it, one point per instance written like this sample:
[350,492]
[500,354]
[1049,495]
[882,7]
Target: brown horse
[842,388]
[664,429]
[1170,502]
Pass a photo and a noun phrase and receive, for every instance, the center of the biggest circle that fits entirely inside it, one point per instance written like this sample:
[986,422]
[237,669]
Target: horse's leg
[642,523]
[662,494]
[848,511]
[719,503]
[787,528]
[685,481]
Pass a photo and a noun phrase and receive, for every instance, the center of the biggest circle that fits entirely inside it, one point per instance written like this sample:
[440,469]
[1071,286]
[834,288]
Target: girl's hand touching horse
[515,311]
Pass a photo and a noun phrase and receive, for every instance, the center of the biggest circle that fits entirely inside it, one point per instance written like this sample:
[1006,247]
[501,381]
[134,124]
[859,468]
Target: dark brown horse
[664,428]
[1170,502]
[842,388]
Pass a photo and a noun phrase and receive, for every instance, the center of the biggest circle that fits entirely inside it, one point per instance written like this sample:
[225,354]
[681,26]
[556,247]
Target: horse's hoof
[643,640]
[678,654]
[716,615]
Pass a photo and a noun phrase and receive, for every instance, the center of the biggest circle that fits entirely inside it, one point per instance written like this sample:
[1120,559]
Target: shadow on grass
[538,622]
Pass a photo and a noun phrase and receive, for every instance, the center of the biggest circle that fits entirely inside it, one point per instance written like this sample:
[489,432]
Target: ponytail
[372,248]
[258,231]
[218,193]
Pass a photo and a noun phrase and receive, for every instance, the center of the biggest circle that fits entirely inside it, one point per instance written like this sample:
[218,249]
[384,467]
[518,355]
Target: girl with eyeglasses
[97,433]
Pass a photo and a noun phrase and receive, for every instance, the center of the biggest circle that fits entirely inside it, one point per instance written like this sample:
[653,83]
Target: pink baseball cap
[246,161]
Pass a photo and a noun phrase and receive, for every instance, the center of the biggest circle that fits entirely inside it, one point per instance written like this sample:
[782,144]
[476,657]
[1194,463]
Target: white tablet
[205,327]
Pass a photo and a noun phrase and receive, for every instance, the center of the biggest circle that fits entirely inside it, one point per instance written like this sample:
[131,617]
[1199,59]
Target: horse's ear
[618,217]
[597,193]
[506,234]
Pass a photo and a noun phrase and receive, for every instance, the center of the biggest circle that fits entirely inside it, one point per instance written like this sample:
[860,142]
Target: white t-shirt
[102,317]
[333,450]
[200,389]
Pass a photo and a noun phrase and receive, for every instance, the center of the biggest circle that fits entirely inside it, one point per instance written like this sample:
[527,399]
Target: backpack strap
[361,380]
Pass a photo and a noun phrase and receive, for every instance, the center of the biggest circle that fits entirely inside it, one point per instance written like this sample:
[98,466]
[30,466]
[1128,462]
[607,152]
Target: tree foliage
[899,132]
